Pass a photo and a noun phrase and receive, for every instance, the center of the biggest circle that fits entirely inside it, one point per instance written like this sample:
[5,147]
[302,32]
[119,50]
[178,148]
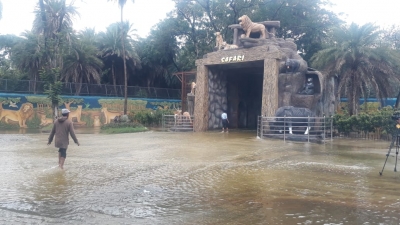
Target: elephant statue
[305,119]
[292,65]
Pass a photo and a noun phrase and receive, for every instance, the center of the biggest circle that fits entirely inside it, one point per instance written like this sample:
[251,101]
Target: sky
[144,14]
[18,14]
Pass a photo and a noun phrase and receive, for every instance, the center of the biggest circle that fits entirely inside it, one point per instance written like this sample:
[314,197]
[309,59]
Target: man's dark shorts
[225,124]
[63,152]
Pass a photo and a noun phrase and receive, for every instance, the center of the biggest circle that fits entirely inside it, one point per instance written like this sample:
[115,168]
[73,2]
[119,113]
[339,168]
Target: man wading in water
[62,128]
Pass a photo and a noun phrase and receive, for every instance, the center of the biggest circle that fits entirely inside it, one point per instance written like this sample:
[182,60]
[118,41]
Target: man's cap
[65,111]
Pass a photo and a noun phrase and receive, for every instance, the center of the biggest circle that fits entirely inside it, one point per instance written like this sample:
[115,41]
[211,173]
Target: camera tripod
[395,140]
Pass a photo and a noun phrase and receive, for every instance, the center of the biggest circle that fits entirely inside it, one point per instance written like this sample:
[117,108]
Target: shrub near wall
[152,118]
[377,121]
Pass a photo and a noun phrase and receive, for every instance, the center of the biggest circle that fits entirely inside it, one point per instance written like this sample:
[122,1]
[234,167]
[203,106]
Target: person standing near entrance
[225,122]
[62,128]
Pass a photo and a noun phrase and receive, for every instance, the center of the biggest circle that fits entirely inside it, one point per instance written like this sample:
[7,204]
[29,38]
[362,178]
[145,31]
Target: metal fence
[32,87]
[310,129]
[177,123]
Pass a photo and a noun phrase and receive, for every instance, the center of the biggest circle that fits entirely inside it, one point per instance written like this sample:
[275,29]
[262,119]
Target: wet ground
[196,178]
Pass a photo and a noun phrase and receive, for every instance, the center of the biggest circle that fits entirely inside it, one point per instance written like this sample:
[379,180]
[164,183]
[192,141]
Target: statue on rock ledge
[251,27]
[308,88]
[219,41]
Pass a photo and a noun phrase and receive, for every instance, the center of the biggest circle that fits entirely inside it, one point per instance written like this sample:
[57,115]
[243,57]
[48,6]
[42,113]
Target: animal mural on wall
[17,109]
[20,116]
[76,114]
[109,116]
[44,121]
[96,122]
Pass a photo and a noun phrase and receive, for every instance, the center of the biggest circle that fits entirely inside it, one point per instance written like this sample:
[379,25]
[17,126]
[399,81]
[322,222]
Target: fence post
[324,128]
[162,122]
[331,127]
[6,84]
[262,127]
[284,128]
[308,134]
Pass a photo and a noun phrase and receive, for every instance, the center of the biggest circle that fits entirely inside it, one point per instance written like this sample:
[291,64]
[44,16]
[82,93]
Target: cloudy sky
[18,16]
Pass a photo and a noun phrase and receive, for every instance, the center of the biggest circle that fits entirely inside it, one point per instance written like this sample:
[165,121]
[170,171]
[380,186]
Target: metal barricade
[310,129]
[177,123]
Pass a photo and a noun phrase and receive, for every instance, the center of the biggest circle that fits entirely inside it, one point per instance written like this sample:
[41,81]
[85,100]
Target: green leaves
[365,122]
[53,85]
[360,63]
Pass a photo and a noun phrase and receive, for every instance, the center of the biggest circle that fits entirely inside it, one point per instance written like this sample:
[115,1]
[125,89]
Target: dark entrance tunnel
[244,95]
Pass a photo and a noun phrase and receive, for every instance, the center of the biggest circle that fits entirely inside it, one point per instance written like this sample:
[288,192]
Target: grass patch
[117,128]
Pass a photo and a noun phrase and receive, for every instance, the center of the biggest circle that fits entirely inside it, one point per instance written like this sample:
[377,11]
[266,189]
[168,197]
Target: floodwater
[196,178]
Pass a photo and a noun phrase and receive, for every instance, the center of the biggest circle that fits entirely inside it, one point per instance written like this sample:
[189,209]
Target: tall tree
[307,22]
[121,4]
[111,51]
[391,36]
[361,62]
[82,64]
[53,21]
[28,56]
[158,54]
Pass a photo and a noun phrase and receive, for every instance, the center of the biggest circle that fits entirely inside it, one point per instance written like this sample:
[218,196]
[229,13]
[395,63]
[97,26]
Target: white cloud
[18,14]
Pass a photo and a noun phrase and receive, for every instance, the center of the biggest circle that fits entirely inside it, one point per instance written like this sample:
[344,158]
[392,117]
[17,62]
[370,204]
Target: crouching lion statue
[20,116]
[251,27]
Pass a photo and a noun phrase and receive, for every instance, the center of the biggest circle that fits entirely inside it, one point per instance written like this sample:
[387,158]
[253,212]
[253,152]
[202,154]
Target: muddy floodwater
[196,178]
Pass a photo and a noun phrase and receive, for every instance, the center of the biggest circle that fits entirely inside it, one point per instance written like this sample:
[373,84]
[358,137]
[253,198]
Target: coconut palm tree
[361,63]
[82,64]
[121,4]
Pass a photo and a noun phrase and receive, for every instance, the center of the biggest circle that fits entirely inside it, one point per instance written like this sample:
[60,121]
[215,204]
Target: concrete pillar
[235,37]
[201,99]
[270,87]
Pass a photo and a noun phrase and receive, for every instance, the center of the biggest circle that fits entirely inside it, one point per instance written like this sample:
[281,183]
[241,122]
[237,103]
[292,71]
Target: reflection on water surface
[196,178]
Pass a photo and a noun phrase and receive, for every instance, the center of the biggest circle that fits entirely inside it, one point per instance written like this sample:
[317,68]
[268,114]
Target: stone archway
[211,93]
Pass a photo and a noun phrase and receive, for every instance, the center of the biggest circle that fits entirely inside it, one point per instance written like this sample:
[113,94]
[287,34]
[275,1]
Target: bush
[372,121]
[131,127]
[149,117]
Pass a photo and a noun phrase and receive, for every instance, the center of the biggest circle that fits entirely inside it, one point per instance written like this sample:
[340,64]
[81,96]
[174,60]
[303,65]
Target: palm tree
[361,63]
[111,50]
[53,21]
[82,64]
[121,4]
[28,55]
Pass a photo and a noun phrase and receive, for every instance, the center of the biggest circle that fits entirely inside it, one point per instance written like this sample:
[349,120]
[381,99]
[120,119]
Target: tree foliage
[361,63]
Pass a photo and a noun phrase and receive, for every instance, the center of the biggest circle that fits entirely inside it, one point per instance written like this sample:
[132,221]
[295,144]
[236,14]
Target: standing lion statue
[20,116]
[251,27]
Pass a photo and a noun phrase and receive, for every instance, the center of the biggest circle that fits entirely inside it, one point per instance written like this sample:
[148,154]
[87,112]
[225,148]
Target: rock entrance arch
[214,73]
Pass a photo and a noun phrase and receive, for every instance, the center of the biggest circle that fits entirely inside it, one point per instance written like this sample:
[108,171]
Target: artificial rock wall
[218,103]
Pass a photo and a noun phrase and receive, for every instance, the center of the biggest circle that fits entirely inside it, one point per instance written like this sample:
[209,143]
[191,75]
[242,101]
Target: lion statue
[20,116]
[218,40]
[251,27]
